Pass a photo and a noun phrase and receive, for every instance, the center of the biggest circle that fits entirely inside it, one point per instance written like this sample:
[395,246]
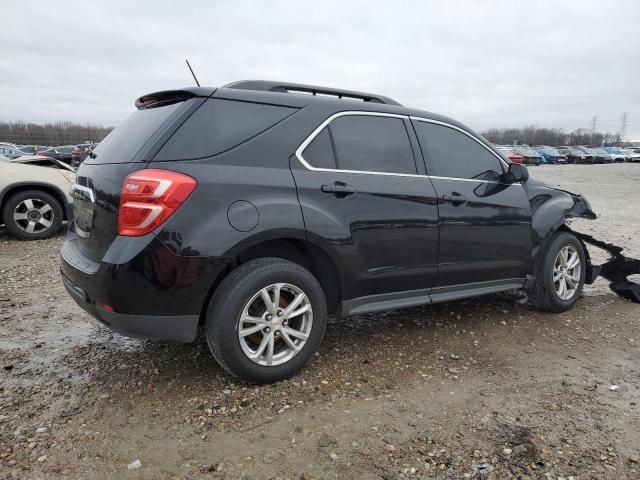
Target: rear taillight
[149,197]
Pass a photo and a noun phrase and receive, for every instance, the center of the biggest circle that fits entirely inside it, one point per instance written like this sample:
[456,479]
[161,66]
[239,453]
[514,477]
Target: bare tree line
[532,135]
[53,134]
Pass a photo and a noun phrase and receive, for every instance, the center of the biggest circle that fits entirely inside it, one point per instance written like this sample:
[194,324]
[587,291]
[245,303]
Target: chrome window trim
[328,120]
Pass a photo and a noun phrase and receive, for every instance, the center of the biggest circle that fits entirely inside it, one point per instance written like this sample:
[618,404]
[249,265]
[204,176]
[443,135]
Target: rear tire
[257,340]
[560,274]
[32,215]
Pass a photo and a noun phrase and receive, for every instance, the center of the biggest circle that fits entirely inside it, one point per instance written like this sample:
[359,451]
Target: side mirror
[517,173]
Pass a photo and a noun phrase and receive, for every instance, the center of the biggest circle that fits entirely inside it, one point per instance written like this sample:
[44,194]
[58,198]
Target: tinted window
[122,144]
[319,153]
[451,153]
[374,144]
[220,125]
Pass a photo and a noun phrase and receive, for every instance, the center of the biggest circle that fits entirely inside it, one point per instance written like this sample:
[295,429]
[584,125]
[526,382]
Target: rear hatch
[96,194]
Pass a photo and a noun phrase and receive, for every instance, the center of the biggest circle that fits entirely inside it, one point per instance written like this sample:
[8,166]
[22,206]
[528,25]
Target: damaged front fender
[554,208]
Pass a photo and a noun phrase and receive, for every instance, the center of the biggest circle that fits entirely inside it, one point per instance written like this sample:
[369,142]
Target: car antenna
[191,70]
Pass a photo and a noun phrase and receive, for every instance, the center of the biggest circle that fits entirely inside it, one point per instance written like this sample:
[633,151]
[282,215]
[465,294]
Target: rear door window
[372,144]
[220,125]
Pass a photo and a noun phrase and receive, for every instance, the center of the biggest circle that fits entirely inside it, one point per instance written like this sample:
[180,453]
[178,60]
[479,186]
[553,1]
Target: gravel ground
[484,388]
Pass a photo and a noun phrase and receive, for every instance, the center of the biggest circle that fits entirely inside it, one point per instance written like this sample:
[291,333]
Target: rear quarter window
[220,125]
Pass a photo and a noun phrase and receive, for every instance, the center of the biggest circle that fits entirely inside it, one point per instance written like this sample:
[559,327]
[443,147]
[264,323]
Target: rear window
[220,125]
[123,143]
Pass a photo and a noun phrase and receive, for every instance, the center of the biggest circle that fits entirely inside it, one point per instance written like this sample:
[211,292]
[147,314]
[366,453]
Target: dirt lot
[486,388]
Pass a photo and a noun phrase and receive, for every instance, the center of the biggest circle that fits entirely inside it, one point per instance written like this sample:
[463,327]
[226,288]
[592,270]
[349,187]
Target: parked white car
[35,196]
[631,155]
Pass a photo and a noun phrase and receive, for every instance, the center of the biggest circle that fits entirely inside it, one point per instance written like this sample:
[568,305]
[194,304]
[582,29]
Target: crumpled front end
[618,268]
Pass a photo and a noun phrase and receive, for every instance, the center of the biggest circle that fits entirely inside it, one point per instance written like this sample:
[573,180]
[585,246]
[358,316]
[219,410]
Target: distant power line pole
[594,124]
[624,123]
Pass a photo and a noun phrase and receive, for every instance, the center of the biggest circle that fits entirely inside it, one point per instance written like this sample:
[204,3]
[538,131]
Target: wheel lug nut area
[267,314]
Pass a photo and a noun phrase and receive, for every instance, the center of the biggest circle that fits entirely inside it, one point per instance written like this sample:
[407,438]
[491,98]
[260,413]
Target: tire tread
[539,297]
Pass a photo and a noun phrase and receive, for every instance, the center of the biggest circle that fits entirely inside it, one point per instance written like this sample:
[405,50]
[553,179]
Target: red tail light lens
[149,197]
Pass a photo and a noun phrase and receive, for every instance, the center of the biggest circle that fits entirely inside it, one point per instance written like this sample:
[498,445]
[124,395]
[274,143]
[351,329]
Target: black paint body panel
[392,241]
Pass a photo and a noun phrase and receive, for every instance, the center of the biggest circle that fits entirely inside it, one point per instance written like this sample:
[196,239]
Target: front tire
[560,275]
[266,320]
[32,215]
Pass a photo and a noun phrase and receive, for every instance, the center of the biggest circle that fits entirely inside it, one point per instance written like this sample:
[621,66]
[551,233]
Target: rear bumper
[181,328]
[141,288]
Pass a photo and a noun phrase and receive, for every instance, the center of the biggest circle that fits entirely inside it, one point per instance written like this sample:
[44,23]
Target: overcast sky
[488,64]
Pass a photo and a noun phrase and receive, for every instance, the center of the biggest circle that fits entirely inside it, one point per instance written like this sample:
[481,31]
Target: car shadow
[354,345]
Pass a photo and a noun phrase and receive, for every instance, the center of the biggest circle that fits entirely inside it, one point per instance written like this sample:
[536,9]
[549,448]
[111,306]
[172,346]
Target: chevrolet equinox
[260,208]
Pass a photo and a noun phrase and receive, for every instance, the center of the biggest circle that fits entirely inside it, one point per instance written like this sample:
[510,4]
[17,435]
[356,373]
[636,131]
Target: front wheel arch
[54,191]
[20,197]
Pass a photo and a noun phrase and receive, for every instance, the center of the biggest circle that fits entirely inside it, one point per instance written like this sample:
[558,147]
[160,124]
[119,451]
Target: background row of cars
[73,155]
[539,154]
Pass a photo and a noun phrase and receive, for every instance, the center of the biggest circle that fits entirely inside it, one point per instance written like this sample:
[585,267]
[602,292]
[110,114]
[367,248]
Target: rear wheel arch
[300,251]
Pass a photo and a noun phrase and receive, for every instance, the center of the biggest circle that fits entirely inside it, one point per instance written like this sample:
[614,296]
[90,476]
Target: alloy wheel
[275,324]
[566,272]
[33,215]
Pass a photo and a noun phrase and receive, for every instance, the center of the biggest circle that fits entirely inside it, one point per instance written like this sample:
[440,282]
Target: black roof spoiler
[284,87]
[167,97]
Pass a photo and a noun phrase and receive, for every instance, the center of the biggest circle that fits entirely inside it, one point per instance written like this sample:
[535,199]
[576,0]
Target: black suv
[260,208]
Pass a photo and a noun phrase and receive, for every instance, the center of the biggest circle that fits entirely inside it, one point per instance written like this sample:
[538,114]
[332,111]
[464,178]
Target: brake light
[149,197]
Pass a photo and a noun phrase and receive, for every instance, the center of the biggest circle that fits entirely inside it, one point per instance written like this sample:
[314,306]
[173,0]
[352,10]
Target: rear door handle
[455,198]
[339,189]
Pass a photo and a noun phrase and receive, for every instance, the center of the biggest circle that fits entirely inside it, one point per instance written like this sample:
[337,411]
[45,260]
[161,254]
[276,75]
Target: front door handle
[455,198]
[340,190]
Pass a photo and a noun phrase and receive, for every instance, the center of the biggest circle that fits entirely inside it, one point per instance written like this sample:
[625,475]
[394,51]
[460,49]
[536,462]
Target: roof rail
[282,87]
